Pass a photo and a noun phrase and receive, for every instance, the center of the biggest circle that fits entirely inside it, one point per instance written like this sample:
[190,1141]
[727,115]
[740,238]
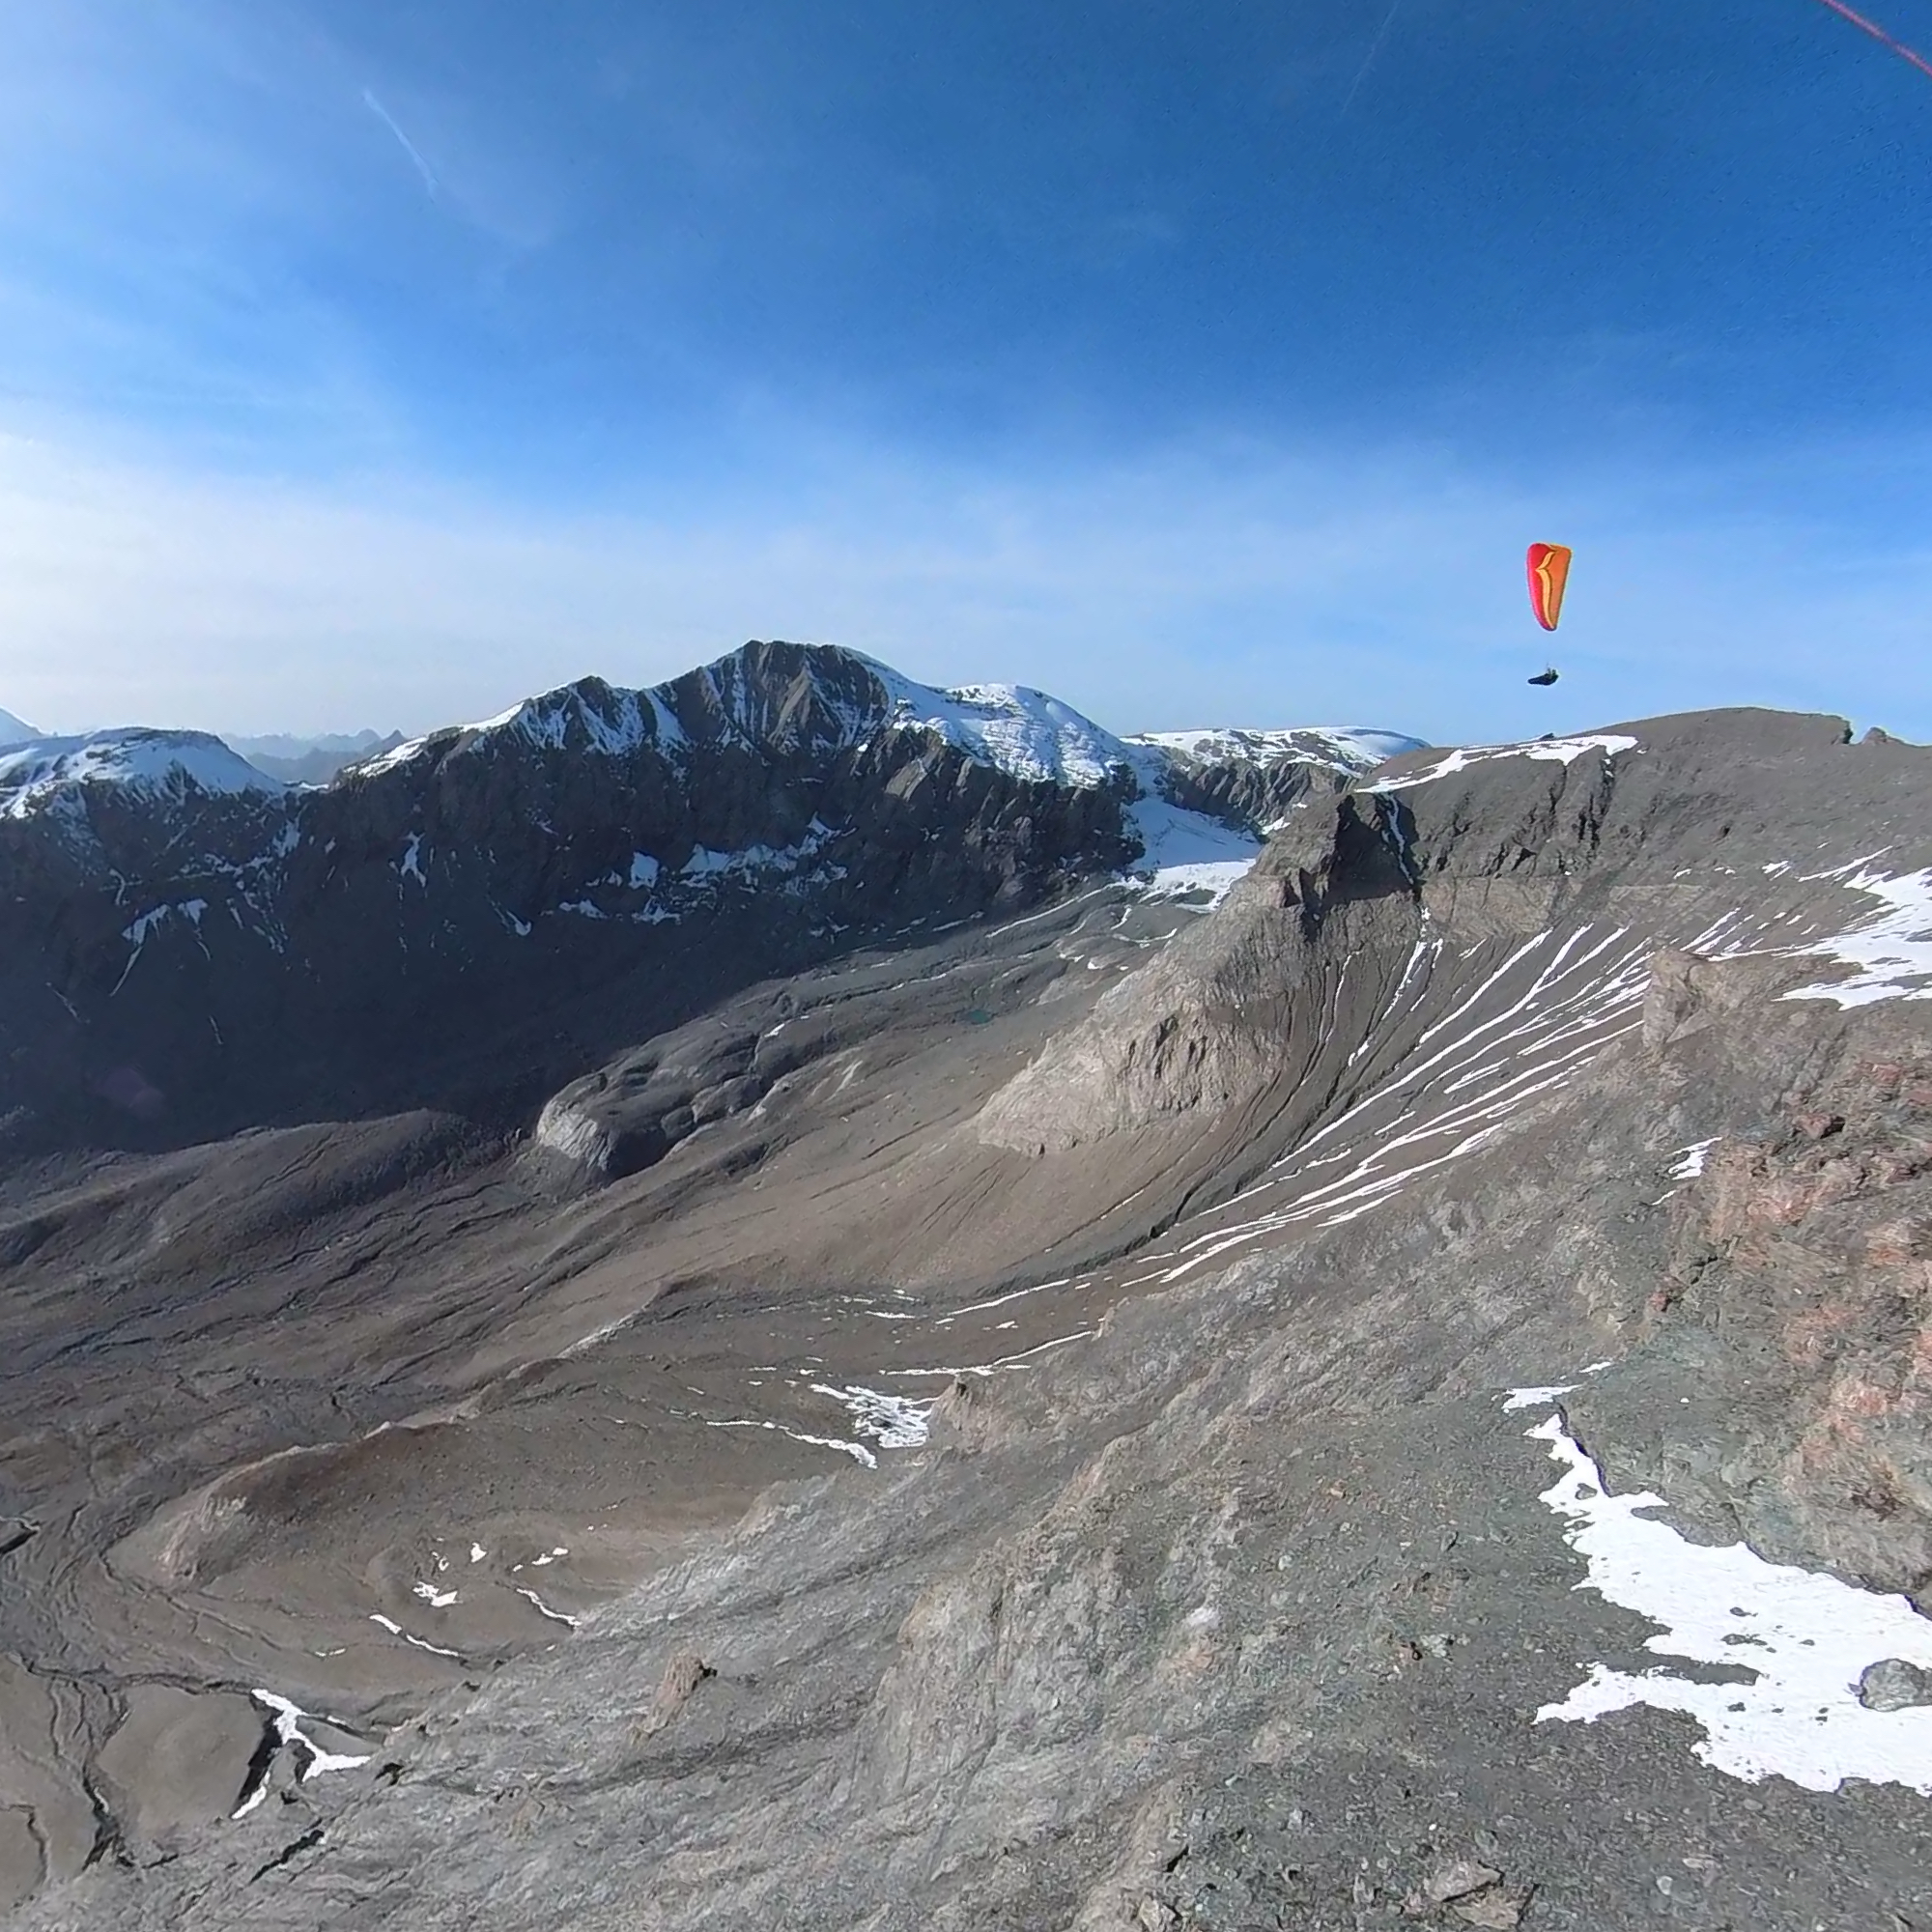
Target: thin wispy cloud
[410,148]
[1369,60]
[933,338]
[1198,586]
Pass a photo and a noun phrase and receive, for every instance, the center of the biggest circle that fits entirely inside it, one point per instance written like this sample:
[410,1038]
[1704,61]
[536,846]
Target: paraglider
[1548,573]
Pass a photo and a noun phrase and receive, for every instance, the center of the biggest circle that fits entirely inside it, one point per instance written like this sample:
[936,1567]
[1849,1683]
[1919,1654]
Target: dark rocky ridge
[1222,1596]
[463,922]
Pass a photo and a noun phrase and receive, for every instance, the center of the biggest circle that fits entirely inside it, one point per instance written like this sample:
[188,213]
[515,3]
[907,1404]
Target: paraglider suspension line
[1880,35]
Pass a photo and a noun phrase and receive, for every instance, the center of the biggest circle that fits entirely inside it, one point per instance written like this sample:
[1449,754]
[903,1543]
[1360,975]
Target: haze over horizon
[1198,365]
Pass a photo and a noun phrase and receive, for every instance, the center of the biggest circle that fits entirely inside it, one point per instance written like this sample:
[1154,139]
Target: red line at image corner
[1880,35]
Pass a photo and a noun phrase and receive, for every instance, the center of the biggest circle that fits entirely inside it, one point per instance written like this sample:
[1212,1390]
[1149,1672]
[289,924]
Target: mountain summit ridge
[851,698]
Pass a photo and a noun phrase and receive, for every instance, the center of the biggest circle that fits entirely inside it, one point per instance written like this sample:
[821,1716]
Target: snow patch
[1563,751]
[1893,949]
[1808,1637]
[138,934]
[706,866]
[1690,1159]
[1009,726]
[1353,749]
[288,1716]
[1186,852]
[1536,1398]
[387,761]
[892,1421]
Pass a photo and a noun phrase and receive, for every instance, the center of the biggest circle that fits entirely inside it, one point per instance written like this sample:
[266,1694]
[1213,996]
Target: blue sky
[376,363]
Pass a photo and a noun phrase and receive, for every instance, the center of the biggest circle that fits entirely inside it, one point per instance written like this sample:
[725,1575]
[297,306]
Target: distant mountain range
[293,760]
[312,761]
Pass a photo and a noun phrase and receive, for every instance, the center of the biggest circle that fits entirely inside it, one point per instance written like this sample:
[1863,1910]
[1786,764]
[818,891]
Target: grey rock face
[1206,1025]
[1207,1579]
[1895,1685]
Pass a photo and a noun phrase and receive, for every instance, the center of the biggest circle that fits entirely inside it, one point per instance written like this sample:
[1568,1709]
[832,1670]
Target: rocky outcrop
[1646,827]
[1236,1006]
[1797,1301]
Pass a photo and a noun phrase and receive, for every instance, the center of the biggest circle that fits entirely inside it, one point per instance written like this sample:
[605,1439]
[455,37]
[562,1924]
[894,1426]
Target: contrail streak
[389,120]
[1375,47]
[1880,35]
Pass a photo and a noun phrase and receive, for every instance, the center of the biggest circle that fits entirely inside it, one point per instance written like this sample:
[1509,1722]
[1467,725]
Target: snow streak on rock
[1807,1637]
[288,1719]
[857,1451]
[1549,1010]
[395,1629]
[1562,749]
[543,1610]
[1893,949]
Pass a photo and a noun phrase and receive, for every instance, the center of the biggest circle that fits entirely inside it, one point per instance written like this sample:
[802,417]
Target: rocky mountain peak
[135,766]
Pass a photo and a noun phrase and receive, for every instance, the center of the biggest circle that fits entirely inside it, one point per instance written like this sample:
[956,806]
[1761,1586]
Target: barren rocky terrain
[964,1378]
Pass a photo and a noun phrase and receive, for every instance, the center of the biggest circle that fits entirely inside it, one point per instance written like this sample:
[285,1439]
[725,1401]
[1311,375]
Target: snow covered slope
[14,730]
[1349,748]
[1010,727]
[154,766]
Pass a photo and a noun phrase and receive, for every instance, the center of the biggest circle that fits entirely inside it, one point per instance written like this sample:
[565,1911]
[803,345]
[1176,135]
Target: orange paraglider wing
[1548,572]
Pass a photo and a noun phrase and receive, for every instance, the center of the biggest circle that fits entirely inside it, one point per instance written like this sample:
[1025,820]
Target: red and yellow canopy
[1548,572]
